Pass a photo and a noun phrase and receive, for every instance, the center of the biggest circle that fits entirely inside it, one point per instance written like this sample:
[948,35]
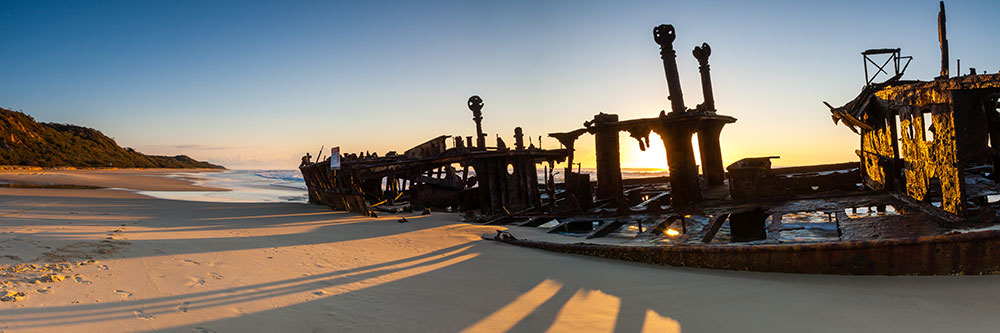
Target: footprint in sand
[142,315]
[123,293]
[81,280]
[215,275]
[46,290]
[319,293]
[102,267]
[195,282]
[203,330]
[183,307]
[192,262]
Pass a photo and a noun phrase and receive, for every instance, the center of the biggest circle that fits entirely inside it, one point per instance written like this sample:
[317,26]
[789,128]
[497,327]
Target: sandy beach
[112,260]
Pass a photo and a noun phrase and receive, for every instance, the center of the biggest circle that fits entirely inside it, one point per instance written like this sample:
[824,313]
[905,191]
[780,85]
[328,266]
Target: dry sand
[229,267]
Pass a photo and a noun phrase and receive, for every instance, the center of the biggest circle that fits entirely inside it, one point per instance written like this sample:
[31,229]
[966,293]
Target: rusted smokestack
[476,105]
[943,39]
[701,53]
[664,35]
[518,138]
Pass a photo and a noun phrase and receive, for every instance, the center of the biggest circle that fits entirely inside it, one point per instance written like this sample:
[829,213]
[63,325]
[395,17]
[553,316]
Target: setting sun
[654,158]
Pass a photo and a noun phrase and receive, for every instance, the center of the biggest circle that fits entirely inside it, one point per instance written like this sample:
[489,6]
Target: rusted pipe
[664,35]
[518,138]
[476,105]
[701,53]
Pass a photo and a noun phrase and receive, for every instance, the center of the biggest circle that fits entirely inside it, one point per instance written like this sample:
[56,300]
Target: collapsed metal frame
[893,57]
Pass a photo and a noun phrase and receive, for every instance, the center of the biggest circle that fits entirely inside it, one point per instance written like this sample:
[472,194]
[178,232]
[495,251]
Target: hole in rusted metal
[928,122]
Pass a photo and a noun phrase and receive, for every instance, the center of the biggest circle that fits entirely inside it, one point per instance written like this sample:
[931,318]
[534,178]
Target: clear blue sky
[256,84]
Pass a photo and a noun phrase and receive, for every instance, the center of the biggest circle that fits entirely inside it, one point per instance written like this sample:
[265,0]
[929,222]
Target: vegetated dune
[23,141]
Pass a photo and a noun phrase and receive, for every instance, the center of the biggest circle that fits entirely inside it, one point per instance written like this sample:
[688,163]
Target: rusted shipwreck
[502,180]
[921,200]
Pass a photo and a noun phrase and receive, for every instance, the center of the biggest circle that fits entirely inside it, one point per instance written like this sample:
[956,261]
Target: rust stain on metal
[943,133]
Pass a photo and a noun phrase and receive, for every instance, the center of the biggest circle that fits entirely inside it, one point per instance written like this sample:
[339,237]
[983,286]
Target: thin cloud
[202,147]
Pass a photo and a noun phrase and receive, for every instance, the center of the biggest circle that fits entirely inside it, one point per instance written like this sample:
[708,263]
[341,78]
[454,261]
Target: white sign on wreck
[335,158]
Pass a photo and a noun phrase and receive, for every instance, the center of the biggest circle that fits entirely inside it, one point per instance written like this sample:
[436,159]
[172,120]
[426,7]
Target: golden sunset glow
[655,156]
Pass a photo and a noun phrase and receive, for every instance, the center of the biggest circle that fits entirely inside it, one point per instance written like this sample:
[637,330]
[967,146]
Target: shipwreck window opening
[869,211]
[899,128]
[910,129]
[928,124]
[510,169]
[806,217]
[934,194]
[696,148]
[992,198]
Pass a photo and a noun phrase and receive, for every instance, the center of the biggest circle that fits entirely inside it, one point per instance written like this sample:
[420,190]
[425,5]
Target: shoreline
[7,167]
[110,183]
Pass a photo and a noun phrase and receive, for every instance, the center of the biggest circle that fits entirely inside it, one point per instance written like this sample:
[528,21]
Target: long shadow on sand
[25,318]
[167,225]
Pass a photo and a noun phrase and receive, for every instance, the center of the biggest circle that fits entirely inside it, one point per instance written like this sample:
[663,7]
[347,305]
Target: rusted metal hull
[358,185]
[969,253]
[323,189]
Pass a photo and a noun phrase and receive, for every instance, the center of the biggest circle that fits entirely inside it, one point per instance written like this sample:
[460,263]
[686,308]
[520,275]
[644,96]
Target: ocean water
[243,185]
[288,185]
[627,173]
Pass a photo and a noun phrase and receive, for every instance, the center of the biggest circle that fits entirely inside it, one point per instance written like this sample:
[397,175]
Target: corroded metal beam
[943,39]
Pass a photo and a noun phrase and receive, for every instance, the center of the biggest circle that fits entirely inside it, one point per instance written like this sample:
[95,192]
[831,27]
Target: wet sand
[133,179]
[143,264]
